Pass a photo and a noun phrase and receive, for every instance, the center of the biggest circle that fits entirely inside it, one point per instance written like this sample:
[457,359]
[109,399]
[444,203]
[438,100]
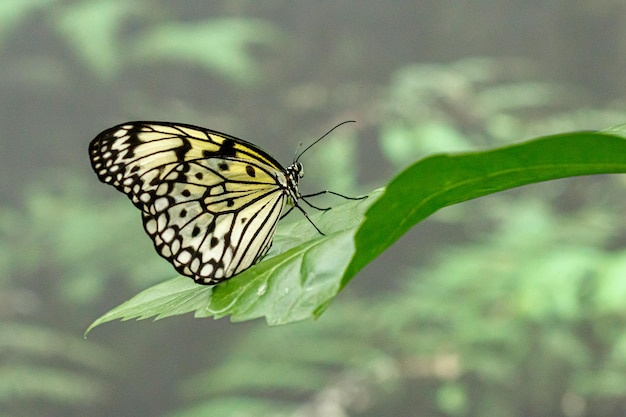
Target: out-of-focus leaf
[92,28]
[218,45]
[237,406]
[13,12]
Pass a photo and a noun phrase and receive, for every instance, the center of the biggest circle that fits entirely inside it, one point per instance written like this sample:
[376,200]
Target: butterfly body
[209,201]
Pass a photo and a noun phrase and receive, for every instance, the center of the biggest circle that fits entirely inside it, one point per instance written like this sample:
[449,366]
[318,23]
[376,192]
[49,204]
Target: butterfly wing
[209,201]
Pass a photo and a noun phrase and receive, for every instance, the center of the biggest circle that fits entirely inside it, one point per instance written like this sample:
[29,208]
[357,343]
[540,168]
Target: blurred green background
[510,305]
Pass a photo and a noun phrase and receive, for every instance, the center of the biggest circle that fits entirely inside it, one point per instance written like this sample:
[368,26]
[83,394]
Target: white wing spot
[184,257]
[168,235]
[162,222]
[151,226]
[195,264]
[206,270]
[175,246]
[161,204]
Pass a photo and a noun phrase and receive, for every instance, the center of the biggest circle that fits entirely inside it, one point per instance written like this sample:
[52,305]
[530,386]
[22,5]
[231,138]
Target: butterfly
[210,202]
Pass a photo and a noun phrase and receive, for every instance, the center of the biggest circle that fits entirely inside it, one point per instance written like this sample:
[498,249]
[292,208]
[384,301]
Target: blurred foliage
[52,234]
[218,45]
[43,368]
[512,305]
[479,102]
[53,275]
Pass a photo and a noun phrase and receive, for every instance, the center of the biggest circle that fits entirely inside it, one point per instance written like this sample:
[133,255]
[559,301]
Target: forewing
[136,157]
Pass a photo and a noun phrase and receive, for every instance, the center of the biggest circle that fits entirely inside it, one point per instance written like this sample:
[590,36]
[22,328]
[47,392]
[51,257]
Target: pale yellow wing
[209,201]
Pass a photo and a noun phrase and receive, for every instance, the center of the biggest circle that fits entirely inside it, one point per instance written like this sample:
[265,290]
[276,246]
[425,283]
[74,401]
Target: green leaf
[170,298]
[302,271]
[442,180]
[305,271]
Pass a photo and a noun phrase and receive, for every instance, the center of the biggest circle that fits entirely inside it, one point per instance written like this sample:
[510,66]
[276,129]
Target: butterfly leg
[304,198]
[305,215]
[286,213]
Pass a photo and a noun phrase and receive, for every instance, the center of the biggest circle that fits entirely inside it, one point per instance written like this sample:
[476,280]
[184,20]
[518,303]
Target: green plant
[308,271]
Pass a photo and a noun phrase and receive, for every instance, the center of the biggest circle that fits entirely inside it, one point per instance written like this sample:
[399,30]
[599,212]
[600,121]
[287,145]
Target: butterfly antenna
[323,136]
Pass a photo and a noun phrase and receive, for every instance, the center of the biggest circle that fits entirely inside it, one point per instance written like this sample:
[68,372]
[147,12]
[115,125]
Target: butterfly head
[295,171]
[298,170]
